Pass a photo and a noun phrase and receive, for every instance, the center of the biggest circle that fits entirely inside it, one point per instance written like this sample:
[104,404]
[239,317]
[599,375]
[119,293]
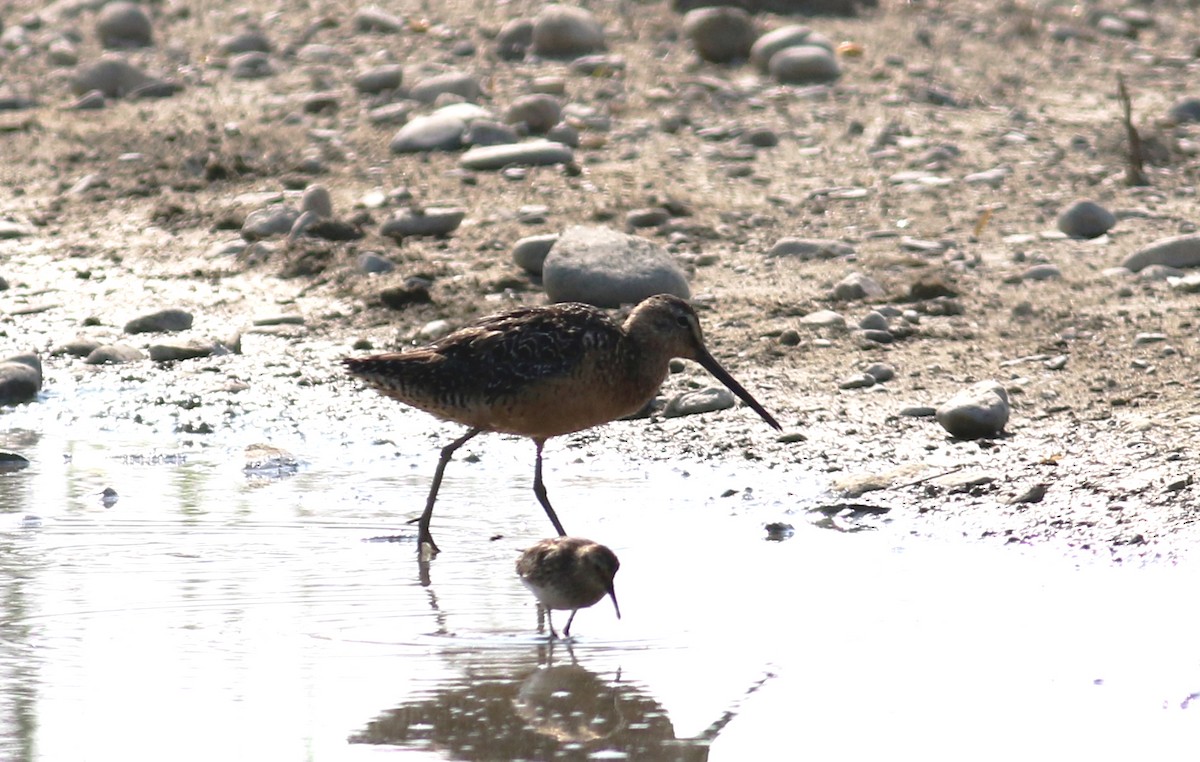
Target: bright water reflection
[208,615]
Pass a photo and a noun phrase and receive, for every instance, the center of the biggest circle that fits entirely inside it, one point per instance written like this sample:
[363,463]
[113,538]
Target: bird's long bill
[712,366]
[612,593]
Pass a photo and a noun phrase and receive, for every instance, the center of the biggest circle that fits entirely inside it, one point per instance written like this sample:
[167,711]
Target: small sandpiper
[568,573]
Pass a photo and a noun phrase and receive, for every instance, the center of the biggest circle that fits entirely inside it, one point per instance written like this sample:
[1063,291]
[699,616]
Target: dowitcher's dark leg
[539,489]
[567,629]
[550,619]
[423,534]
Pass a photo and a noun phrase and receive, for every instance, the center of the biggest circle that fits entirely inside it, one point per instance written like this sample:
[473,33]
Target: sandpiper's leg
[567,629]
[423,534]
[539,489]
[550,619]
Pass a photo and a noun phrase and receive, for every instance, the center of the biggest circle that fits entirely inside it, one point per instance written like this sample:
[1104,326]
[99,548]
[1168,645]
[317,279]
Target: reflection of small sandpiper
[568,574]
[541,372]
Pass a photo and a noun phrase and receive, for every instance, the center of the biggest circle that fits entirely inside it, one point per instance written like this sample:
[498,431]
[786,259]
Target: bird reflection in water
[541,710]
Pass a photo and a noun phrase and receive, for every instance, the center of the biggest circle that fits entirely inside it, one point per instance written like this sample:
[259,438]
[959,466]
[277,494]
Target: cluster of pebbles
[380,122]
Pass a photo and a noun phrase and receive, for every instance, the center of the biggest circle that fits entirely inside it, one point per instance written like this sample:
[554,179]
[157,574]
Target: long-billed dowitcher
[568,574]
[541,372]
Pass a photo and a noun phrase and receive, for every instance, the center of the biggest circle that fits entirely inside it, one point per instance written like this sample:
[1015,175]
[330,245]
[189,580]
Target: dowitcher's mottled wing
[480,371]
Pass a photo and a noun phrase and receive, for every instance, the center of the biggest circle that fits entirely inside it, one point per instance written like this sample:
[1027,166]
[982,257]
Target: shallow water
[211,613]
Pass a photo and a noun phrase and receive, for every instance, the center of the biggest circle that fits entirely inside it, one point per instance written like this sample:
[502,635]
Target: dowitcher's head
[667,326]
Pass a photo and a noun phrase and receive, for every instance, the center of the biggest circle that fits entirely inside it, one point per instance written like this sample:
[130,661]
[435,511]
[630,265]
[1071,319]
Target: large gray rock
[1180,252]
[20,378]
[980,410]
[124,25]
[776,40]
[167,320]
[435,132]
[803,65]
[1085,219]
[563,31]
[720,34]
[533,153]
[608,268]
[111,75]
[113,354]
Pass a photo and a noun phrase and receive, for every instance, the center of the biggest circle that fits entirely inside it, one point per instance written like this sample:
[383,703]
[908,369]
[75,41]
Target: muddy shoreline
[138,206]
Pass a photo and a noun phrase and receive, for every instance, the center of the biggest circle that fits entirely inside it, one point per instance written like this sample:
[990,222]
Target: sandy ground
[877,161]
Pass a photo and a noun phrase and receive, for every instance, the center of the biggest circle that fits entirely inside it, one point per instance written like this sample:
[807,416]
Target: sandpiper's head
[602,564]
[668,326]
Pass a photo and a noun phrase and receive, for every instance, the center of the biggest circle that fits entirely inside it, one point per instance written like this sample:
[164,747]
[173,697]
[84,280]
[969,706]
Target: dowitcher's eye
[683,321]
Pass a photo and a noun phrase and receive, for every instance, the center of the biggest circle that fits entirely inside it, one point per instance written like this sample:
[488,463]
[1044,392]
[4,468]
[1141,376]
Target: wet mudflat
[217,612]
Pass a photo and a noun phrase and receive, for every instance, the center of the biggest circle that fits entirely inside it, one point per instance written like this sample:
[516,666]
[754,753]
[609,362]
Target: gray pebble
[114,354]
[435,132]
[1185,110]
[532,153]
[565,134]
[810,248]
[760,137]
[458,83]
[790,337]
[486,132]
[720,34]
[881,372]
[379,79]
[874,321]
[392,113]
[1158,273]
[608,268]
[1042,272]
[562,31]
[1085,219]
[1180,251]
[857,381]
[514,38]
[993,178]
[370,262]
[251,65]
[316,199]
[700,401]
[250,41]
[163,321]
[1142,339]
[77,347]
[274,220]
[375,19]
[189,351]
[423,222]
[20,378]
[776,40]
[538,112]
[878,336]
[123,25]
[804,65]
[434,330]
[318,53]
[918,411]
[824,319]
[856,286]
[530,252]
[980,410]
[651,217]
